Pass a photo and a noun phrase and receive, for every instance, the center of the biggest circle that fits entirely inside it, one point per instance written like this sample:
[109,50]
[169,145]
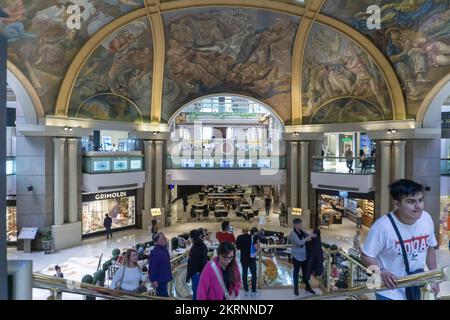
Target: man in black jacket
[107,223]
[198,258]
[248,245]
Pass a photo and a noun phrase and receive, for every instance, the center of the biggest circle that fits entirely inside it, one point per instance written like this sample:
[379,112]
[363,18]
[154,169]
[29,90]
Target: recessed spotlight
[155,132]
[394,130]
[296,133]
[66,128]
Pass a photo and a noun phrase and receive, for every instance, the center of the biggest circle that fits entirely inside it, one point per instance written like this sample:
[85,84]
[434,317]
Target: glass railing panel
[102,164]
[342,165]
[445,167]
[10,166]
[225,163]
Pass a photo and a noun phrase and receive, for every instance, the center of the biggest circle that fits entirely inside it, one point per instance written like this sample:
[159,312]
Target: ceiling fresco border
[154,10]
[312,10]
[26,83]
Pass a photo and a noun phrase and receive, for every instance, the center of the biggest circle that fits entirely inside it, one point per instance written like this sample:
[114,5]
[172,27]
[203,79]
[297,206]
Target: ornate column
[399,159]
[304,174]
[148,154]
[159,187]
[385,176]
[58,201]
[72,157]
[293,175]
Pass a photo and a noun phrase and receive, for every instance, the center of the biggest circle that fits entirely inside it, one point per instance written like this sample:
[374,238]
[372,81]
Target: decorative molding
[159,54]
[311,11]
[28,86]
[428,101]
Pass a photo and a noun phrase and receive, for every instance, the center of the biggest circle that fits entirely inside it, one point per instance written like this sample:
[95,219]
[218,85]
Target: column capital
[73,140]
[304,143]
[59,140]
[385,143]
[159,142]
[293,143]
[148,143]
[399,142]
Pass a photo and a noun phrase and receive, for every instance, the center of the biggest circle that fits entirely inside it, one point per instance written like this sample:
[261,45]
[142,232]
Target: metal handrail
[41,281]
[423,278]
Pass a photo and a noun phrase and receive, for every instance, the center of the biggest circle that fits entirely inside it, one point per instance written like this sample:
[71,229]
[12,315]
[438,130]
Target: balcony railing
[341,165]
[112,162]
[225,163]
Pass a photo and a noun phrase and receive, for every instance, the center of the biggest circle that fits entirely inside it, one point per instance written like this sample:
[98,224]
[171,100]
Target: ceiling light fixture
[155,132]
[390,131]
[296,133]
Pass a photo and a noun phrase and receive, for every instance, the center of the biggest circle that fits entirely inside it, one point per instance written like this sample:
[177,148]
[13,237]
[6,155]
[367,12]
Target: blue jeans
[161,290]
[194,283]
[380,297]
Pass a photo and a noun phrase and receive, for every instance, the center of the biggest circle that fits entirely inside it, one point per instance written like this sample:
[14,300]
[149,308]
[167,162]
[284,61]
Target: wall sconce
[390,131]
[67,128]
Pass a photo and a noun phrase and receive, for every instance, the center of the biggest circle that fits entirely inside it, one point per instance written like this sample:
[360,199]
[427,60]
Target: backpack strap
[220,279]
[405,258]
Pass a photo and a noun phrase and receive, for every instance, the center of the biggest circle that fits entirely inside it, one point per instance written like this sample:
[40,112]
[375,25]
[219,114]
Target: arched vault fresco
[229,50]
[414,36]
[118,77]
[42,46]
[334,68]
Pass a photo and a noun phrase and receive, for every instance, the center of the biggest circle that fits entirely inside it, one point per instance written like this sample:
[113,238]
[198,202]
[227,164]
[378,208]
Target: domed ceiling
[311,61]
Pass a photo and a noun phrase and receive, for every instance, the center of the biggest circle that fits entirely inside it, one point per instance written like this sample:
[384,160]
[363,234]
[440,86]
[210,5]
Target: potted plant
[47,242]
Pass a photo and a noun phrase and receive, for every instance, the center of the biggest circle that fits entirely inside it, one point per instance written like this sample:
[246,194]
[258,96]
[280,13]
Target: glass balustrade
[110,164]
[10,166]
[180,162]
[341,165]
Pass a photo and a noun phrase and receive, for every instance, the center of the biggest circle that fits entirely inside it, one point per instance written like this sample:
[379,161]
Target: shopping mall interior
[190,113]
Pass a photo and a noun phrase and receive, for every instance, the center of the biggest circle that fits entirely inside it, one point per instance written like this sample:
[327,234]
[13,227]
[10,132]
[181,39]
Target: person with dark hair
[402,242]
[107,223]
[226,234]
[198,258]
[349,159]
[267,202]
[159,270]
[248,244]
[314,254]
[298,238]
[185,202]
[220,278]
[58,274]
[154,229]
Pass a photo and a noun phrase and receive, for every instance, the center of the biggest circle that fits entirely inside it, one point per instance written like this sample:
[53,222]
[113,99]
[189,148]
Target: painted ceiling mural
[340,82]
[242,51]
[40,42]
[414,35]
[115,83]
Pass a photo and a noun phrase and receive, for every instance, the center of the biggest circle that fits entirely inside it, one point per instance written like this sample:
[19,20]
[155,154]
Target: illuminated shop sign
[108,195]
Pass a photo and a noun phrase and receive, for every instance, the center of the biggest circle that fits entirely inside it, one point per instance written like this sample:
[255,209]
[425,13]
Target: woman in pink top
[209,286]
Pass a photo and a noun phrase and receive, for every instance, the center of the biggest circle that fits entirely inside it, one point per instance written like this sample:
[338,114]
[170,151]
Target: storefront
[119,205]
[333,206]
[11,220]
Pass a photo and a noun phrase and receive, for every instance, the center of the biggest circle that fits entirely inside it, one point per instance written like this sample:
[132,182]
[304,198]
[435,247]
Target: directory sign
[28,233]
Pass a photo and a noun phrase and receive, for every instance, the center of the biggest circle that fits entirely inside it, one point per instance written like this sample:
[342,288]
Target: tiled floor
[81,260]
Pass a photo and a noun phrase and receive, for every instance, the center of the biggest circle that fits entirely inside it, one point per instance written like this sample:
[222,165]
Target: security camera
[30,188]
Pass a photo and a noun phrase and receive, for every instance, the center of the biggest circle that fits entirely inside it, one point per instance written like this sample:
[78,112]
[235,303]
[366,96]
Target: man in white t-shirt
[382,247]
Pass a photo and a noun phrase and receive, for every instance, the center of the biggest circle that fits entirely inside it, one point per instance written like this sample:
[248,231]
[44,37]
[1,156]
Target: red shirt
[225,236]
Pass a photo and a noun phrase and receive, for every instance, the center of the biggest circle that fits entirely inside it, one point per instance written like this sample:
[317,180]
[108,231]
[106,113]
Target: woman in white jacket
[129,276]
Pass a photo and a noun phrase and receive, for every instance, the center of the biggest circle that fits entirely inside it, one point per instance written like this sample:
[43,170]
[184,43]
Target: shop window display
[120,209]
[11,224]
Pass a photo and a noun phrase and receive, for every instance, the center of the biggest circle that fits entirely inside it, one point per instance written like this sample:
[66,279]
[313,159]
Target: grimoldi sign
[108,195]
